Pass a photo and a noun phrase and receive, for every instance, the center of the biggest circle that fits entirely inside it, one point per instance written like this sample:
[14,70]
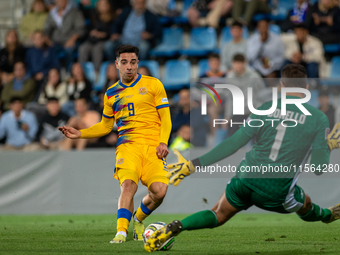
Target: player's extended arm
[184,167]
[166,125]
[319,157]
[98,130]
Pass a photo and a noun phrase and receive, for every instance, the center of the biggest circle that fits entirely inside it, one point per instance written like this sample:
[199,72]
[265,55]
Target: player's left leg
[312,212]
[149,203]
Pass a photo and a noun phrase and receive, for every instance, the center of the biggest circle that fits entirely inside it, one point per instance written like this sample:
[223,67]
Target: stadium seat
[314,98]
[177,74]
[98,86]
[89,71]
[335,67]
[332,48]
[275,29]
[182,19]
[202,42]
[171,44]
[152,65]
[203,67]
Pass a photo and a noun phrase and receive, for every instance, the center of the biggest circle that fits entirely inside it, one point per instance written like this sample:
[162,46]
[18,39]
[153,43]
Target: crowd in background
[43,85]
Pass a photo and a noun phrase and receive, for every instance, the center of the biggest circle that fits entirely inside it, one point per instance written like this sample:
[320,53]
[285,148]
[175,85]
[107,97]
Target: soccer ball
[151,229]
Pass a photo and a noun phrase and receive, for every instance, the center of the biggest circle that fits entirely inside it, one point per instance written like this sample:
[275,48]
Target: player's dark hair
[213,55]
[126,48]
[14,99]
[294,75]
[301,25]
[239,58]
[52,99]
[237,24]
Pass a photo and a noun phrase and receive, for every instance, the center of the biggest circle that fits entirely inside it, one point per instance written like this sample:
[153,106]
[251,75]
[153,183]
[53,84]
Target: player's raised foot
[157,240]
[335,213]
[138,229]
[118,239]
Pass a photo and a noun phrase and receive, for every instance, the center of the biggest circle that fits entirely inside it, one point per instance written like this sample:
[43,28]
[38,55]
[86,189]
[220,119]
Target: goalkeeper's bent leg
[217,216]
[312,212]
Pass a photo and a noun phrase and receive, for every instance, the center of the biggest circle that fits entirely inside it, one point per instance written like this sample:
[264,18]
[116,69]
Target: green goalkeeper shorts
[242,197]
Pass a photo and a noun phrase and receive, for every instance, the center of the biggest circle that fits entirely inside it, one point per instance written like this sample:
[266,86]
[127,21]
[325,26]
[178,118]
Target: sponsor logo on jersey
[129,96]
[120,161]
[142,90]
[165,100]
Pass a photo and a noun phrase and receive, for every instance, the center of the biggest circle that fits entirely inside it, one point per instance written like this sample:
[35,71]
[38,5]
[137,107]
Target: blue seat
[99,85]
[89,71]
[314,98]
[335,70]
[275,29]
[202,42]
[171,44]
[152,65]
[182,19]
[332,48]
[177,74]
[203,67]
[226,35]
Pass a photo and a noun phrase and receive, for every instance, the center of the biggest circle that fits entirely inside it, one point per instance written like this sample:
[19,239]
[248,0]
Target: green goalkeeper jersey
[272,166]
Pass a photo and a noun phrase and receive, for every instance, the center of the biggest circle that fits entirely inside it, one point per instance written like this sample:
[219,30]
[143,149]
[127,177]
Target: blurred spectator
[64,26]
[83,119]
[21,86]
[19,127]
[136,26]
[237,45]
[54,88]
[78,86]
[304,49]
[94,46]
[243,77]
[297,15]
[119,5]
[244,10]
[10,54]
[106,141]
[182,140]
[144,70]
[265,51]
[326,107]
[40,58]
[323,19]
[50,137]
[111,76]
[87,7]
[214,67]
[208,12]
[160,7]
[32,21]
[181,115]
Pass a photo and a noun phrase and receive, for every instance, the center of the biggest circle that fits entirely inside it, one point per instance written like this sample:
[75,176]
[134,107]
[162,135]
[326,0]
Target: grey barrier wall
[82,183]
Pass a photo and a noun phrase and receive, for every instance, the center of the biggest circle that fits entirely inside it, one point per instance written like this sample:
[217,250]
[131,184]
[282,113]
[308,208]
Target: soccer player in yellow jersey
[139,106]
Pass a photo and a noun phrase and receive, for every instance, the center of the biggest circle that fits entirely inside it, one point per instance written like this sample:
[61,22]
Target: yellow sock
[142,212]
[123,219]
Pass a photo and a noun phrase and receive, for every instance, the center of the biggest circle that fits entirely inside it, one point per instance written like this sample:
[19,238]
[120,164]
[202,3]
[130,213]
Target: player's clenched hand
[162,150]
[179,170]
[333,139]
[70,132]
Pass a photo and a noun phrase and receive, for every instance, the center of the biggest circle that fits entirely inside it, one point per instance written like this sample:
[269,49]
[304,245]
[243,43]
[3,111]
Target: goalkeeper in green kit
[276,145]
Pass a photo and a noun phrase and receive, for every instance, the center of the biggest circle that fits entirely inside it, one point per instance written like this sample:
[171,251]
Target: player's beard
[128,79]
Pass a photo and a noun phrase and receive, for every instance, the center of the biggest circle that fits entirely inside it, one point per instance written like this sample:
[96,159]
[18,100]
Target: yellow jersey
[134,107]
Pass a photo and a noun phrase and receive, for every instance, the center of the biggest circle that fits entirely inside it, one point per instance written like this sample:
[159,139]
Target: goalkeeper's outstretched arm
[184,167]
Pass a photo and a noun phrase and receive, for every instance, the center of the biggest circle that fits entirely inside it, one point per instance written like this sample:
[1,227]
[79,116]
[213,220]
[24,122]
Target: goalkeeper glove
[179,170]
[333,139]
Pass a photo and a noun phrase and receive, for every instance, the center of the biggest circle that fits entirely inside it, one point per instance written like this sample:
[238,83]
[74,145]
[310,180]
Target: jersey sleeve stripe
[109,117]
[162,106]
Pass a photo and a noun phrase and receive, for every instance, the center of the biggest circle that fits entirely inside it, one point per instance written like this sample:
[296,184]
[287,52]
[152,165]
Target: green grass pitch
[269,234]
